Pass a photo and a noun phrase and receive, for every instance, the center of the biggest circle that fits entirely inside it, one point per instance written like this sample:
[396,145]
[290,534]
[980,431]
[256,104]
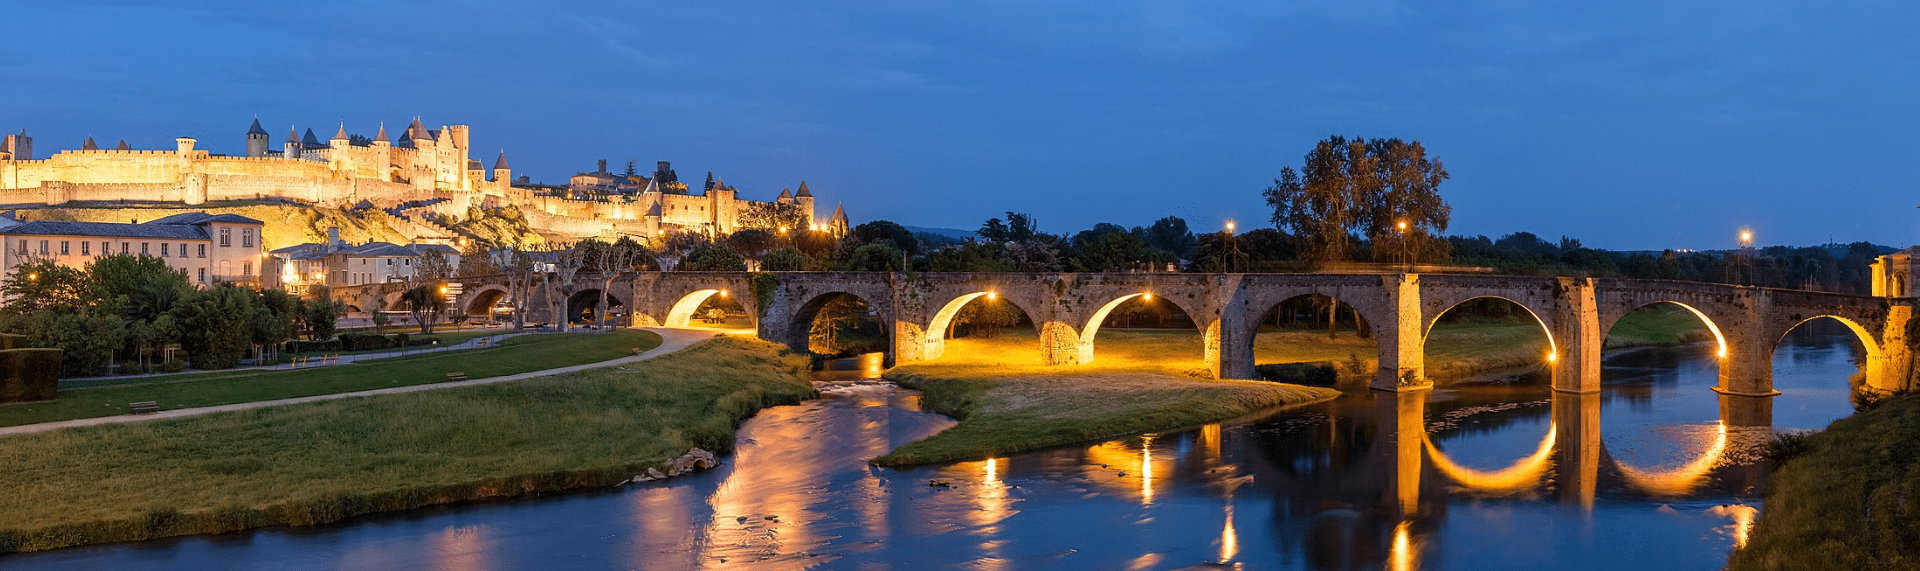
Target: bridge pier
[1576,337]
[1576,425]
[1401,337]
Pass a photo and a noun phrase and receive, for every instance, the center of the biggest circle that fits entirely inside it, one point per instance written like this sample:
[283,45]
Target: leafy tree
[1348,187]
[274,317]
[969,256]
[1018,227]
[475,260]
[321,313]
[1111,248]
[785,259]
[772,216]
[1170,234]
[425,303]
[751,242]
[710,258]
[885,232]
[1035,256]
[45,284]
[220,320]
[880,257]
[433,267]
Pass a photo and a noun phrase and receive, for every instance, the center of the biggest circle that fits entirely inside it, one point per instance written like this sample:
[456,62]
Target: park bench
[456,377]
[143,407]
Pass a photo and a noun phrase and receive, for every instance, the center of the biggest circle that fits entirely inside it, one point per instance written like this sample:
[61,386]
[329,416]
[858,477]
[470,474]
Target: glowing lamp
[1229,225]
[1147,296]
[723,293]
[1723,352]
[1553,357]
[991,295]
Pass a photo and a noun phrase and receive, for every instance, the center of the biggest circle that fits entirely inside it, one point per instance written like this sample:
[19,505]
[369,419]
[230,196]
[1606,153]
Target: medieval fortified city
[1141,286]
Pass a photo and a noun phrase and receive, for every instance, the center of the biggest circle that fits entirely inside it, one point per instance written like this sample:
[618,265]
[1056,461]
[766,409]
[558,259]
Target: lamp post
[1405,256]
[1233,248]
[1746,255]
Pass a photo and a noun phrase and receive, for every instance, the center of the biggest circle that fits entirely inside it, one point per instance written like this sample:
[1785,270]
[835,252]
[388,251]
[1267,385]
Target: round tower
[256,140]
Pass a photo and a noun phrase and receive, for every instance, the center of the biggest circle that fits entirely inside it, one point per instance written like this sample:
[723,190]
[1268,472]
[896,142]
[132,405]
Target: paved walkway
[672,340]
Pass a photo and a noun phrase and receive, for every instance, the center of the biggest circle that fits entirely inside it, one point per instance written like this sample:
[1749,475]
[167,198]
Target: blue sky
[1626,124]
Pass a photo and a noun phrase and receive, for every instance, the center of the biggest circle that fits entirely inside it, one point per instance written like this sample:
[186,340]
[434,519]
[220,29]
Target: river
[1656,472]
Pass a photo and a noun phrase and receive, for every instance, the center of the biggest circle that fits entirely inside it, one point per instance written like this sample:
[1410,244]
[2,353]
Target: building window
[164,249]
[246,238]
[203,251]
[203,275]
[43,247]
[226,237]
[126,247]
[143,248]
[23,247]
[246,268]
[86,248]
[183,250]
[106,248]
[389,261]
[63,247]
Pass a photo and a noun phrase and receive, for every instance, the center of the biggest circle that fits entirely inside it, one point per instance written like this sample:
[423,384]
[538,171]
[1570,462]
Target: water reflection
[1464,478]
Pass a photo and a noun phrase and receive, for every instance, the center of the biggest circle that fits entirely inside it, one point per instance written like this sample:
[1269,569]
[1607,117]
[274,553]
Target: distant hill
[946,232]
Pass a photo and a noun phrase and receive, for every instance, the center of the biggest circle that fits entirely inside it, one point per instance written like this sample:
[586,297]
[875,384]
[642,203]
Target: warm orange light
[783,229]
[1147,296]
[1553,357]
[723,293]
[991,295]
[1722,353]
[33,276]
[1229,225]
[1746,236]
[1403,225]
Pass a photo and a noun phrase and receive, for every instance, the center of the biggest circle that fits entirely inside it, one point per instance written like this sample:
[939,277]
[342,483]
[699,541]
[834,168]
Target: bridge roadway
[1068,308]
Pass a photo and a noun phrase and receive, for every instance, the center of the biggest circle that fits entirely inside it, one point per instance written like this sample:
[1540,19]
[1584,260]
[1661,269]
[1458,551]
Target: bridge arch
[1092,328]
[935,341]
[1553,345]
[799,328]
[582,304]
[1523,474]
[479,303]
[1873,368]
[1721,346]
[1244,337]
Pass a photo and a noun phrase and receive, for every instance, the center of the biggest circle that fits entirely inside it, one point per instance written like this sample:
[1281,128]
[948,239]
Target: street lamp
[1405,256]
[1233,248]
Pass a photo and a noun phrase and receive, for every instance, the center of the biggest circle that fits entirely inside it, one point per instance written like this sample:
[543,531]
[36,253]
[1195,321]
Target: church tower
[256,140]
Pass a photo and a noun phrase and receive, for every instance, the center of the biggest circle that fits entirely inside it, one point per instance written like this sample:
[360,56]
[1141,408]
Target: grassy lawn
[517,355]
[320,462]
[1005,408]
[1850,499]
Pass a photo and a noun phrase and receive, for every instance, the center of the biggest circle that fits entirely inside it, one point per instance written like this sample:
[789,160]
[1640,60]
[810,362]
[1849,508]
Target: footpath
[672,340]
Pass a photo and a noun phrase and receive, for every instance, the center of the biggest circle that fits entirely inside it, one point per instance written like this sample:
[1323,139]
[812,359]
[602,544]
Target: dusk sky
[1626,124]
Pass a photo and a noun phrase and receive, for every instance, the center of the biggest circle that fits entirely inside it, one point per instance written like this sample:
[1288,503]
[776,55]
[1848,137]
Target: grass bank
[1849,499]
[1005,410]
[322,462]
[517,355]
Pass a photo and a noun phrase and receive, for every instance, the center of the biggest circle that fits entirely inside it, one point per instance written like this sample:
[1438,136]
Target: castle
[429,169]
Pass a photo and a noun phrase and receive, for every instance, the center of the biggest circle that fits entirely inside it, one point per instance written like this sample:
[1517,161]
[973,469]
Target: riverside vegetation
[1847,497]
[512,356]
[316,463]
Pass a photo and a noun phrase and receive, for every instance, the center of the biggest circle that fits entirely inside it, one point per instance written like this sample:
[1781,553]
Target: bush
[29,374]
[1322,374]
[329,345]
[133,368]
[364,342]
[11,341]
[173,366]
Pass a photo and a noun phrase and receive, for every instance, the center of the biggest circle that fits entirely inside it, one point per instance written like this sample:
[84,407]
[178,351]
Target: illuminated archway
[1288,307]
[481,303]
[682,312]
[1553,346]
[1092,327]
[1719,339]
[935,343]
[1876,357]
[800,329]
[582,305]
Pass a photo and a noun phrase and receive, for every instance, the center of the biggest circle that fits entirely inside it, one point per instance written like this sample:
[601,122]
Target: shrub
[29,374]
[364,342]
[1299,373]
[173,366]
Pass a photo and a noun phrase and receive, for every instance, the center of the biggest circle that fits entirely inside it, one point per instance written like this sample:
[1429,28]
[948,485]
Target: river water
[1656,472]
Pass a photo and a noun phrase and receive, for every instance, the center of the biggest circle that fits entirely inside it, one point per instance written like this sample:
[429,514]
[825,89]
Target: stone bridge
[1067,309]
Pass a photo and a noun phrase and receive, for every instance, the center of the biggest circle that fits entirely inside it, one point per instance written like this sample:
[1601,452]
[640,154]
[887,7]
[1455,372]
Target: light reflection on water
[1657,471]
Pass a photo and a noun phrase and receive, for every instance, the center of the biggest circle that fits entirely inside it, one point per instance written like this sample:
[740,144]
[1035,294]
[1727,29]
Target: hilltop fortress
[430,169]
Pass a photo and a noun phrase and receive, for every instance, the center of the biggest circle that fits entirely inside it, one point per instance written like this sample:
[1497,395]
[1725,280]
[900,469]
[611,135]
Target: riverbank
[1006,410]
[316,463]
[192,390]
[1848,499]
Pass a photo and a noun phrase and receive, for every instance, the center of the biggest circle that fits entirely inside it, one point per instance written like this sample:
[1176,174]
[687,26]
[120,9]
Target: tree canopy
[1349,189]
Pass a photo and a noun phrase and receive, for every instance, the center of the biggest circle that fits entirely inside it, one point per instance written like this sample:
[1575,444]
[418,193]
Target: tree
[773,216]
[45,284]
[566,266]
[751,242]
[880,257]
[476,260]
[321,312]
[433,267]
[1170,234]
[1018,227]
[710,258]
[1347,187]
[221,321]
[985,317]
[426,303]
[785,259]
[882,231]
[1110,248]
